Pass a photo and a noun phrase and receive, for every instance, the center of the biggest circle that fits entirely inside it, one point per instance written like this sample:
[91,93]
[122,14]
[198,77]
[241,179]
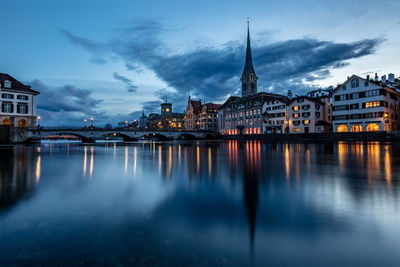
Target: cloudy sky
[113,59]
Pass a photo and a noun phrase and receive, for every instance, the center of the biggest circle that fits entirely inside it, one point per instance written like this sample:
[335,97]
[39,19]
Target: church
[244,115]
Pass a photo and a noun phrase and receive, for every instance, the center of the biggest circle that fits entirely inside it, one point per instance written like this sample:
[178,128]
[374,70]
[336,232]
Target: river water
[200,203]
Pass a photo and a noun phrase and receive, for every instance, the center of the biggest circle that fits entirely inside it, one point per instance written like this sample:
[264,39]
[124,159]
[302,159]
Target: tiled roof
[15,84]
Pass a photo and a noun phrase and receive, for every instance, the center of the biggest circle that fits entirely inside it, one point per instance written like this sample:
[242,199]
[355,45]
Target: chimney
[376,77]
[289,93]
[391,77]
[368,78]
[383,78]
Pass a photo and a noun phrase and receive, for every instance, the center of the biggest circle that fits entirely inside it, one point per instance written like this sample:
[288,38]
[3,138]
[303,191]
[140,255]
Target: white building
[275,115]
[309,115]
[366,105]
[18,103]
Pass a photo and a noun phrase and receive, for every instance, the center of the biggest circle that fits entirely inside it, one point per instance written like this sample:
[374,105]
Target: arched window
[6,121]
[342,129]
[356,128]
[355,83]
[373,127]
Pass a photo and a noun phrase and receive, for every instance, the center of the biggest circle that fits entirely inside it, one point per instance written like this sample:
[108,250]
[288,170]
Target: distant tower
[249,77]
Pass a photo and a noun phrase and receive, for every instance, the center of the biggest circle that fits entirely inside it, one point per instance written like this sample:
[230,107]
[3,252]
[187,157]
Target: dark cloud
[68,106]
[151,106]
[129,86]
[214,72]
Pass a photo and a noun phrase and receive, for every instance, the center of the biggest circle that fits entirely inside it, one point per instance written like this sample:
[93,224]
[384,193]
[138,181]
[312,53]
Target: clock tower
[249,77]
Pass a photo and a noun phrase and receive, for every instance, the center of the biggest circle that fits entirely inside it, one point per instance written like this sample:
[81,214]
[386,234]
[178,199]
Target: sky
[111,60]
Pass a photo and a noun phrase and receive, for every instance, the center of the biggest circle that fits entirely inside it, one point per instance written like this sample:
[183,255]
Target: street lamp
[38,118]
[85,121]
[91,121]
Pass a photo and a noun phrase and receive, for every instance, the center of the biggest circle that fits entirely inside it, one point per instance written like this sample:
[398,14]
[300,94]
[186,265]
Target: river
[200,203]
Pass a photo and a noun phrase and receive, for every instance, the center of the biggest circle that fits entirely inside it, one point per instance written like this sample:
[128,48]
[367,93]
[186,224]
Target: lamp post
[126,124]
[38,121]
[91,122]
[85,121]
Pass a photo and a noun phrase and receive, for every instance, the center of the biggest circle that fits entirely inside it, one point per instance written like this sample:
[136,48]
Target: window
[341,128]
[7,108]
[306,122]
[296,130]
[317,114]
[295,108]
[355,83]
[372,104]
[22,108]
[296,123]
[306,114]
[7,84]
[305,107]
[7,96]
[296,115]
[372,127]
[22,97]
[371,93]
[356,128]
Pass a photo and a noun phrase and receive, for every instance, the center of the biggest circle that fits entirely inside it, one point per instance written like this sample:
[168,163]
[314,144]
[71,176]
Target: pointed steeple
[248,66]
[249,77]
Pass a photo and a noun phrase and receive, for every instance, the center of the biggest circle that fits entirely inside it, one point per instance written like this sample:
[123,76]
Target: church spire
[248,66]
[249,77]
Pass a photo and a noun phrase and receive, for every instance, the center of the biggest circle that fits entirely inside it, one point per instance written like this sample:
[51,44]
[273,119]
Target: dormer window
[7,84]
[355,83]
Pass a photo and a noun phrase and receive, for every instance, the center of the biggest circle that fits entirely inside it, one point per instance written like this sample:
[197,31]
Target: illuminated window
[306,122]
[342,128]
[296,115]
[373,127]
[258,130]
[295,108]
[372,104]
[247,130]
[251,130]
[356,128]
[255,130]
[235,131]
[296,130]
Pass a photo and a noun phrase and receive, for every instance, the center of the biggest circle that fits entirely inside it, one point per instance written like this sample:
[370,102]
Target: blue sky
[112,59]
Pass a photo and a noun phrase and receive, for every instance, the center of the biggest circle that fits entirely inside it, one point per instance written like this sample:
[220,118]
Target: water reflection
[237,199]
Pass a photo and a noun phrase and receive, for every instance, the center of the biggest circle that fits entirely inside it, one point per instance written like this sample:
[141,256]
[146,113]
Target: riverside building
[309,115]
[18,103]
[201,117]
[366,105]
[167,120]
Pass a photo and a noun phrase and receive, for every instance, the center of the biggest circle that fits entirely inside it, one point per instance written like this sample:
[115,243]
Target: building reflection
[20,170]
[251,175]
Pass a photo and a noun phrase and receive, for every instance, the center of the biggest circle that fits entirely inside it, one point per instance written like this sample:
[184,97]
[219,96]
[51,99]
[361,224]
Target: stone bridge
[90,135]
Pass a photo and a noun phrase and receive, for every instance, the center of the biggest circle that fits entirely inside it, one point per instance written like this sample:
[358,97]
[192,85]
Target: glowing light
[85,161]
[126,160]
[38,163]
[134,160]
[209,163]
[91,162]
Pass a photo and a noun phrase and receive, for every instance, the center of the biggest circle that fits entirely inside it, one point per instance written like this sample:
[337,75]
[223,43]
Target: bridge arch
[126,137]
[157,136]
[187,136]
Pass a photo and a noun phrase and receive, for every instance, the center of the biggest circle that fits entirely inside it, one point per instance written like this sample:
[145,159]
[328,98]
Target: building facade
[309,115]
[275,115]
[192,122]
[18,103]
[167,120]
[366,105]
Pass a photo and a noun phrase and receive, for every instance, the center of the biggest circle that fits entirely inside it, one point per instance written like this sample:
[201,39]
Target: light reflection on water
[203,203]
